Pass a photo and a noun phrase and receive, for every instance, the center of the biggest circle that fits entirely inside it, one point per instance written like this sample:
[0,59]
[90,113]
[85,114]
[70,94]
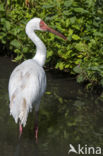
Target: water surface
[68,115]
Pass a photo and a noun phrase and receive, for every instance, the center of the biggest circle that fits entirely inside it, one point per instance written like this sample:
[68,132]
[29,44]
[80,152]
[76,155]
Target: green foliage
[82,23]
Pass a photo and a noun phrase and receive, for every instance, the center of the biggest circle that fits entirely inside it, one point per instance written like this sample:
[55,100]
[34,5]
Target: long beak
[56,33]
[45,27]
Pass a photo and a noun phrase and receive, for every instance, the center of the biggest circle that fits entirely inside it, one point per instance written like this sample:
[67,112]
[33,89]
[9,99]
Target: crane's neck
[40,55]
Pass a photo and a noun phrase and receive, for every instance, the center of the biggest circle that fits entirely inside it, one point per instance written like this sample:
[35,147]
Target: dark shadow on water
[20,145]
[17,151]
[68,115]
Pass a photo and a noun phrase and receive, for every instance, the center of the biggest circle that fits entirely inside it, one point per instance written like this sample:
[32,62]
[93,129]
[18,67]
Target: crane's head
[38,24]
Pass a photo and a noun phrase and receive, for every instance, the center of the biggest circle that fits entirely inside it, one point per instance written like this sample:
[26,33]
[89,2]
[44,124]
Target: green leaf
[80,79]
[89,3]
[72,20]
[67,22]
[15,30]
[80,10]
[16,50]
[67,65]
[15,43]
[76,26]
[18,58]
[80,46]
[2,35]
[70,31]
[48,93]
[7,25]
[49,54]
[93,68]
[48,6]
[77,69]
[25,50]
[60,99]
[2,7]
[60,65]
[75,37]
[2,20]
[68,3]
[98,34]
[67,13]
[69,38]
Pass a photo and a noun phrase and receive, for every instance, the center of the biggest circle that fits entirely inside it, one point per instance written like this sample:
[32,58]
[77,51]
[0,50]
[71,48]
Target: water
[68,115]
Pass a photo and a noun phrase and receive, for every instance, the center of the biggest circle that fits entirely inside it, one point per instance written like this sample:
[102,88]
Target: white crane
[27,82]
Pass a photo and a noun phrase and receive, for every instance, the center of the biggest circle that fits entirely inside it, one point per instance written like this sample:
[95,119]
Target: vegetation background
[80,20]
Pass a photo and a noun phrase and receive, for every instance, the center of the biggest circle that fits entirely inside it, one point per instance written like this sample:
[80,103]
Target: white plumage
[28,80]
[26,86]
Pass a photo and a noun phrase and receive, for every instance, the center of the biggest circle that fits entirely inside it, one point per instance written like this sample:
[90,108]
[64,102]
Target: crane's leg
[36,126]
[20,129]
[36,120]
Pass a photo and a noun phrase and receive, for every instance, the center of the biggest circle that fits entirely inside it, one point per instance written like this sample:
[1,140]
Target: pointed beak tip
[65,38]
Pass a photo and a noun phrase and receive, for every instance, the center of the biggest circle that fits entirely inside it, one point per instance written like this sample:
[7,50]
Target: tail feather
[19,109]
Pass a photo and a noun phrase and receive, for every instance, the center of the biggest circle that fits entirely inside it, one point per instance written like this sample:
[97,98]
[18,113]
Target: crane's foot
[20,130]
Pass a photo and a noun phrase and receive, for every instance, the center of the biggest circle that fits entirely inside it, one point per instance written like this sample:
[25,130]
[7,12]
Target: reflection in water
[67,115]
[17,152]
[26,148]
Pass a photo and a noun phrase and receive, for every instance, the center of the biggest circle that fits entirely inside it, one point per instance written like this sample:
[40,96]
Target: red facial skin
[45,27]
